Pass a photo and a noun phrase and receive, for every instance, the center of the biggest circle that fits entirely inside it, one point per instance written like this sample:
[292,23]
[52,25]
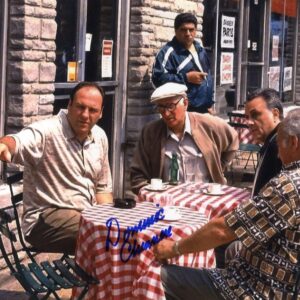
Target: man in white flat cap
[208,140]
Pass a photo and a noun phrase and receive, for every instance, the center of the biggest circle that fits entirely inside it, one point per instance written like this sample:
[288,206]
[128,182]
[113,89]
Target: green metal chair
[38,279]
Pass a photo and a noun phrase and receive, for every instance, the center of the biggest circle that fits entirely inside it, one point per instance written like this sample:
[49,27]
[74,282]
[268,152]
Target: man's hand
[104,198]
[163,250]
[5,155]
[195,77]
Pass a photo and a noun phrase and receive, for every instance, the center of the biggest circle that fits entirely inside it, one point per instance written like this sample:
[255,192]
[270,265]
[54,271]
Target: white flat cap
[168,90]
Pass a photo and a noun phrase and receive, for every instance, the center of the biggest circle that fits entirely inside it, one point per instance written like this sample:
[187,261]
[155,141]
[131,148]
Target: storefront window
[223,48]
[65,37]
[282,47]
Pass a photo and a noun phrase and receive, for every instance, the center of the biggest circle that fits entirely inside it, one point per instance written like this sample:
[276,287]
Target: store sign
[287,79]
[226,68]
[88,41]
[72,71]
[227,32]
[106,66]
[275,47]
[274,73]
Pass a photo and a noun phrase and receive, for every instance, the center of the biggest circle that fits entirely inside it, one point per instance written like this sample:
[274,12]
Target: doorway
[92,45]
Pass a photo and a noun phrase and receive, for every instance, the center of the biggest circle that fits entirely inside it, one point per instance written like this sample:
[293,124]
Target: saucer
[220,193]
[172,213]
[150,188]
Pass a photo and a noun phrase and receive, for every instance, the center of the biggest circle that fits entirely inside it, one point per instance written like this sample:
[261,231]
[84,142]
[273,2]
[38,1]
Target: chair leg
[83,292]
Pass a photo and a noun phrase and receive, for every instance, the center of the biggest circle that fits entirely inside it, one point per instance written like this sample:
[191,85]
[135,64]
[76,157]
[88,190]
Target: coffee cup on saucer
[156,183]
[214,188]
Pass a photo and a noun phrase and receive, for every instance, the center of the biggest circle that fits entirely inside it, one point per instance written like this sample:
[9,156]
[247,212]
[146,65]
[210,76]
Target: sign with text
[227,32]
[72,71]
[274,73]
[226,68]
[287,79]
[106,63]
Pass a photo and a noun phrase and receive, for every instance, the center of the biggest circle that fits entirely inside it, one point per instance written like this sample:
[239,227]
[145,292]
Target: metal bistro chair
[247,152]
[45,278]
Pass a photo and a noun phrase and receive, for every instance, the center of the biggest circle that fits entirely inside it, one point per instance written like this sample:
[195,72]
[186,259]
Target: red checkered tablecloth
[245,136]
[139,277]
[194,196]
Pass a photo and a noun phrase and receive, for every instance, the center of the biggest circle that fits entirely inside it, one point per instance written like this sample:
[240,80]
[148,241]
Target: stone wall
[151,26]
[30,63]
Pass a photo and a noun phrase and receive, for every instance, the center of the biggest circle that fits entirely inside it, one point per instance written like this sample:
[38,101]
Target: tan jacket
[214,137]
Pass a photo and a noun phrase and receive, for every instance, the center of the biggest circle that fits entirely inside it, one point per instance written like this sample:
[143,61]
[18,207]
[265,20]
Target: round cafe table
[193,195]
[102,250]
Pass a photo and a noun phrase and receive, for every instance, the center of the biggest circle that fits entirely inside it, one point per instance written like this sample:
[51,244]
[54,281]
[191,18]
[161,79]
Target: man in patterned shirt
[66,169]
[267,226]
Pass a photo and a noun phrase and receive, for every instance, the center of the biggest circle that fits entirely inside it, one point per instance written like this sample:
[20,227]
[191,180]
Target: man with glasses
[183,60]
[267,225]
[66,169]
[207,139]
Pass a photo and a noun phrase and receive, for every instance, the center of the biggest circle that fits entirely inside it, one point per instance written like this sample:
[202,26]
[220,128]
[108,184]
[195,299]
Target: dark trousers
[56,231]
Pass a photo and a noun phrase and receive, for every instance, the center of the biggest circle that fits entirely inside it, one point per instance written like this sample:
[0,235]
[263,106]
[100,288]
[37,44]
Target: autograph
[130,248]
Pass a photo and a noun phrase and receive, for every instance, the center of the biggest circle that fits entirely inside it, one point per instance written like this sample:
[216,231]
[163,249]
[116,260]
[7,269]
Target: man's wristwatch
[176,248]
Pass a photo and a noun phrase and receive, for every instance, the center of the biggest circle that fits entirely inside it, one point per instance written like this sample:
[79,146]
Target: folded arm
[211,235]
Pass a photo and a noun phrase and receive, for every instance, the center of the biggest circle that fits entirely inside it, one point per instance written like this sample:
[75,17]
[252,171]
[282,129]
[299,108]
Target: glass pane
[65,37]
[254,78]
[282,44]
[101,25]
[255,37]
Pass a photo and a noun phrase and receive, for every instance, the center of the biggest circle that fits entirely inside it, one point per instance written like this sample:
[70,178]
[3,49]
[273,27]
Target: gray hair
[291,123]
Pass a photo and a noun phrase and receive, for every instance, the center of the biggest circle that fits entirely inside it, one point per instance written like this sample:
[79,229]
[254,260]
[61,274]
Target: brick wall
[151,26]
[30,66]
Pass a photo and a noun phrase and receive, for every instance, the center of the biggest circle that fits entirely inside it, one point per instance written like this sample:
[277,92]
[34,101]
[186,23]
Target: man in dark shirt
[264,112]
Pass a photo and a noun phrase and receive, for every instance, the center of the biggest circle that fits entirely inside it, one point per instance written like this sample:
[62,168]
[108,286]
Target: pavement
[10,289]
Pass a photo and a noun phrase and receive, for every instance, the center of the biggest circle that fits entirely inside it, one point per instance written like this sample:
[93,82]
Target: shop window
[282,46]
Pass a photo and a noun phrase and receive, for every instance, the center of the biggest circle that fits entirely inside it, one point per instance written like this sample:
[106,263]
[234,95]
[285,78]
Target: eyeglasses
[170,107]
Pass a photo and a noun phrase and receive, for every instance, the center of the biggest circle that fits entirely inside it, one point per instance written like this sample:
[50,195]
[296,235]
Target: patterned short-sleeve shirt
[268,227]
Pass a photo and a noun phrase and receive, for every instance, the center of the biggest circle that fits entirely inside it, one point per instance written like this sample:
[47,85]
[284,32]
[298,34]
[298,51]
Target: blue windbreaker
[172,63]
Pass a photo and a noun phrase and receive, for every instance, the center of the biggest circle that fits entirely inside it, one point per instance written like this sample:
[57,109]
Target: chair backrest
[237,120]
[15,183]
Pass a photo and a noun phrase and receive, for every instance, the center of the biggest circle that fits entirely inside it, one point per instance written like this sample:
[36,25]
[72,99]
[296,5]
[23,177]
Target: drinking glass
[190,170]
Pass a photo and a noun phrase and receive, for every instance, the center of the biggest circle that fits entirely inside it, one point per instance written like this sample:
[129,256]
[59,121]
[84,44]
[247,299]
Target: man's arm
[230,144]
[211,235]
[7,148]
[165,72]
[102,198]
[195,77]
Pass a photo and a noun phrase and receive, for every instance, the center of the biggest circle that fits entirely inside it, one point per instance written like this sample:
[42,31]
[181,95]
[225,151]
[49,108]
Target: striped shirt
[59,171]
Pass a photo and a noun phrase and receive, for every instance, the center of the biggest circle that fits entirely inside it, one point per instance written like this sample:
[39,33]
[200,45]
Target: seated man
[66,169]
[267,226]
[264,112]
[206,138]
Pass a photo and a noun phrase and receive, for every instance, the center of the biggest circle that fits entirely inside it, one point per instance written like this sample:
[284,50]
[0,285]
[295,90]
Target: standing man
[66,169]
[183,60]
[209,140]
[267,226]
[264,112]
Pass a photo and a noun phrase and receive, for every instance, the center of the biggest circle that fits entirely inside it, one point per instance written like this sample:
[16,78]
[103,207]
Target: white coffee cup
[171,212]
[214,188]
[156,183]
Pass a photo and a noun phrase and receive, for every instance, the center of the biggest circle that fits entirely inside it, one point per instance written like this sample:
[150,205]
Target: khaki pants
[56,231]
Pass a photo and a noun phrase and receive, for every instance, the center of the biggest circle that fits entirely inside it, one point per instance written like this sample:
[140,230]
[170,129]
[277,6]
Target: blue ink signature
[132,247]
